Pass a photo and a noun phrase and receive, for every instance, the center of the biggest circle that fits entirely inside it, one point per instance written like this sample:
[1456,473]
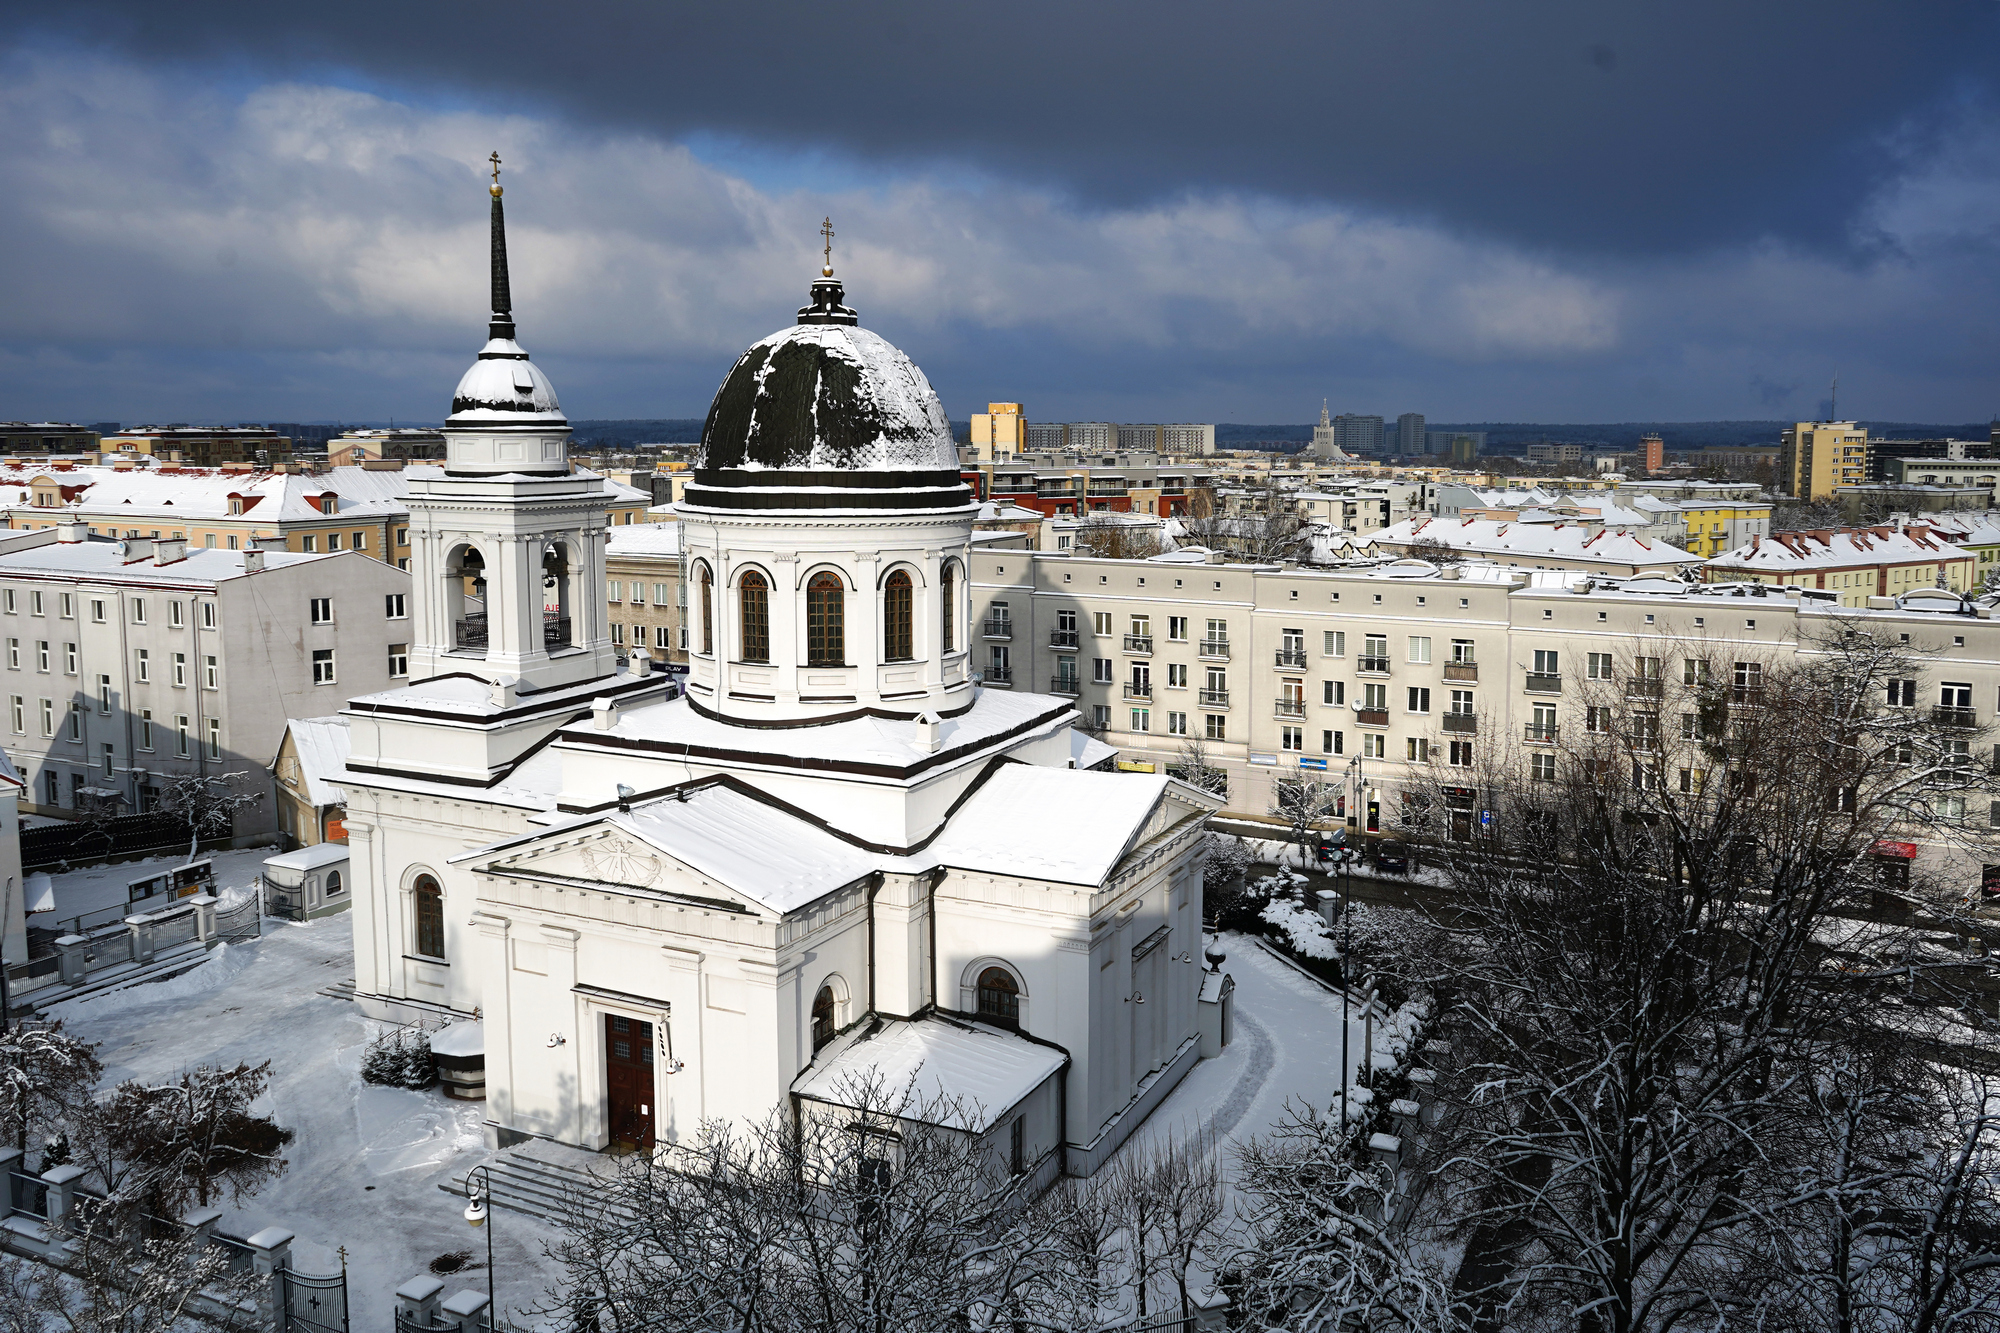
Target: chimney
[506,692]
[640,663]
[169,550]
[927,732]
[135,549]
[604,712]
[267,543]
[72,530]
[253,561]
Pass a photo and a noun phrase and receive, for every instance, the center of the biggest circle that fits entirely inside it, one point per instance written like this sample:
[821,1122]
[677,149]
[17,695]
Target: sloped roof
[644,539]
[1843,548]
[1488,536]
[1066,825]
[321,744]
[985,1071]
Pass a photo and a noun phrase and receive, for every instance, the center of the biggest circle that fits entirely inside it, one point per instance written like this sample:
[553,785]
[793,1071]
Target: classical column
[686,1092]
[496,1012]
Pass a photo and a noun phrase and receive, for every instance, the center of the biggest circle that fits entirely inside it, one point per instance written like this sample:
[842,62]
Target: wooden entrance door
[628,1069]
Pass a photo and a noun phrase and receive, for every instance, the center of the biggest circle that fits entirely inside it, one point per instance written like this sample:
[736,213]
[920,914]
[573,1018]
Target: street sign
[1319,764]
[1486,819]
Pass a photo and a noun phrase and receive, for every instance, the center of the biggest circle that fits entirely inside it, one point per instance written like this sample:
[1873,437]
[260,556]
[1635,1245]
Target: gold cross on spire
[495,160]
[826,230]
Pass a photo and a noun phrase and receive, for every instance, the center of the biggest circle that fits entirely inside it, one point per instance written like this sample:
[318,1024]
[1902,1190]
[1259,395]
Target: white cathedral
[836,855]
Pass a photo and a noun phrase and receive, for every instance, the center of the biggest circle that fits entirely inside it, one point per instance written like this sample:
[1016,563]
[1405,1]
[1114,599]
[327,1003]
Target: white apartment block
[122,663]
[1359,676]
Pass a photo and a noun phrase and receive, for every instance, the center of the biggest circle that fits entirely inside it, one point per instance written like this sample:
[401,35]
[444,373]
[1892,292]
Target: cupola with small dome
[827,530]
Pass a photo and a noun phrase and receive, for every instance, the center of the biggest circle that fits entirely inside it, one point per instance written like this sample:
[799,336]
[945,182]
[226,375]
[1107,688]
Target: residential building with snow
[645,597]
[1582,546]
[311,806]
[667,908]
[359,508]
[132,662]
[1382,676]
[1852,564]
[1817,458]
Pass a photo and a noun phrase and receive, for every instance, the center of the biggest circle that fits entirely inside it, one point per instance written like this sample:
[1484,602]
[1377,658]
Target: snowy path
[366,1161]
[1286,1047]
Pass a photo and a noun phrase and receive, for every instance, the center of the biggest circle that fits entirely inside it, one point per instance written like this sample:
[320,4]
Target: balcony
[1540,735]
[1954,717]
[996,629]
[1466,724]
[1644,689]
[1063,639]
[1461,671]
[1212,698]
[1291,708]
[1372,717]
[1544,683]
[1064,685]
[1138,690]
[1371,666]
[1139,643]
[999,675]
[1295,658]
[1215,650]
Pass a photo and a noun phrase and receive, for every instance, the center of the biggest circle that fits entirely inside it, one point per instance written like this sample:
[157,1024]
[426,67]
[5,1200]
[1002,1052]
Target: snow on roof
[1842,549]
[1489,536]
[1082,822]
[863,740]
[768,855]
[645,539]
[310,858]
[9,773]
[1086,751]
[103,560]
[321,744]
[988,1072]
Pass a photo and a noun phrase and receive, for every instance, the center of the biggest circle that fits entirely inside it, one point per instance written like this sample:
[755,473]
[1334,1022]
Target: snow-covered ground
[96,888]
[365,1161]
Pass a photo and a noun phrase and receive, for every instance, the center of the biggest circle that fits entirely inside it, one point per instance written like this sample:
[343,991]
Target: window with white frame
[1420,648]
[322,610]
[322,666]
[395,606]
[181,734]
[211,673]
[180,670]
[215,738]
[399,659]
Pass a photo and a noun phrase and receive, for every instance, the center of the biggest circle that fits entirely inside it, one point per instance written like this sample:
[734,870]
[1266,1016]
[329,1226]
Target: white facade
[834,851]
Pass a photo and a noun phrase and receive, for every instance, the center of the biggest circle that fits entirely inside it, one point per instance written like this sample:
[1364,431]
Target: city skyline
[243,215]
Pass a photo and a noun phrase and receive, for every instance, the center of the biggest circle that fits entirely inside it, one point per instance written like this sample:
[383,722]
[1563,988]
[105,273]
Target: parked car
[1392,857]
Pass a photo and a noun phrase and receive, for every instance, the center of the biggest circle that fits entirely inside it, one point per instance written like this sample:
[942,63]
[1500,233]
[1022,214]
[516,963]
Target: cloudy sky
[1478,210]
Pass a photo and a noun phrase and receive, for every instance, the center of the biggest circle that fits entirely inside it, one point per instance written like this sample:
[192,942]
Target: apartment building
[1373,678]
[1067,485]
[647,598]
[46,437]
[202,446]
[1853,564]
[359,508]
[1585,547]
[996,433]
[132,661]
[1817,457]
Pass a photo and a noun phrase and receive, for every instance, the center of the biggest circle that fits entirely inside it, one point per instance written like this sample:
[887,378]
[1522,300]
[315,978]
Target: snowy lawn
[95,888]
[366,1161]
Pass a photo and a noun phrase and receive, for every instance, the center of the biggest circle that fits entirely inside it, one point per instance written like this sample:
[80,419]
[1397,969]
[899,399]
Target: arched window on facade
[753,609]
[823,1017]
[430,917]
[826,621]
[898,641]
[948,594]
[704,583]
[999,997]
[333,883]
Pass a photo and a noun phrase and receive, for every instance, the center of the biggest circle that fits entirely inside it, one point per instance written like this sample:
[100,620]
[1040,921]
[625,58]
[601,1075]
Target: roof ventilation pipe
[604,713]
[927,732]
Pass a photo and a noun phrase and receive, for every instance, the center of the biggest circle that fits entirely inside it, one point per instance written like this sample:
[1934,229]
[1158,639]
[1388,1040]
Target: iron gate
[314,1304]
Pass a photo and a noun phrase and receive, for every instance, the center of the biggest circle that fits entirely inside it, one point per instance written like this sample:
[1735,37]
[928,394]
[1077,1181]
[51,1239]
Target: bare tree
[1435,551]
[1305,804]
[891,1214]
[112,1281]
[1268,528]
[47,1078]
[209,802]
[1647,1000]
[1807,516]
[188,1142]
[1103,535]
[1191,764]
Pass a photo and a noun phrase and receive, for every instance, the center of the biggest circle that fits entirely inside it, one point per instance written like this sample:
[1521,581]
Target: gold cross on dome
[826,230]
[495,160]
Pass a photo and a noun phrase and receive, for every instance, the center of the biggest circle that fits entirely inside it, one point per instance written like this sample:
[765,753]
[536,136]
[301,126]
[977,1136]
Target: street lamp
[477,1204]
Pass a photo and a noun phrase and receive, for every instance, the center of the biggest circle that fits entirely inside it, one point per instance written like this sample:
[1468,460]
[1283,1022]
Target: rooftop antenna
[1833,402]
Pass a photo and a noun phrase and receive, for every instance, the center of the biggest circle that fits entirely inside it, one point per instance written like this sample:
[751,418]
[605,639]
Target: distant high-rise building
[1410,440]
[1354,433]
[1441,441]
[1652,453]
[997,432]
[1814,457]
[1323,445]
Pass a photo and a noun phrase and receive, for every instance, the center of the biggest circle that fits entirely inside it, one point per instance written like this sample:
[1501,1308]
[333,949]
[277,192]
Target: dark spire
[503,299]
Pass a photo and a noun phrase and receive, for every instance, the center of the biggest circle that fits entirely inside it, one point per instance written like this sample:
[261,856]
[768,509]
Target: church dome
[826,415]
[504,387]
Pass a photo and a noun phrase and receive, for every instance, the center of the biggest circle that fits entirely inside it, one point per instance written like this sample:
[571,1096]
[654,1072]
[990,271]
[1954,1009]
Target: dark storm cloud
[1579,124]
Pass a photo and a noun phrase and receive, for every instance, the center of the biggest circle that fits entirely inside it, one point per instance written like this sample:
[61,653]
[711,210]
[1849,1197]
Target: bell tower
[506,544]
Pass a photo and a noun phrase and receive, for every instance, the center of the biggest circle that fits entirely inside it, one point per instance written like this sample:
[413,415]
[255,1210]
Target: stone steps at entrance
[541,1179]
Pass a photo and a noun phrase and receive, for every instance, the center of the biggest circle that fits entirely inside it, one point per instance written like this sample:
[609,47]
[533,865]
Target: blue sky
[1586,212]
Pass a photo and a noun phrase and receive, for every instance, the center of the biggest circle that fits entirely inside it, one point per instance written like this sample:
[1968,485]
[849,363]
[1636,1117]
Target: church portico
[838,858]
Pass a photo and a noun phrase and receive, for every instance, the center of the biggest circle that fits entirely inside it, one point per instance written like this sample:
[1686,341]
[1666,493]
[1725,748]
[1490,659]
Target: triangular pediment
[606,857]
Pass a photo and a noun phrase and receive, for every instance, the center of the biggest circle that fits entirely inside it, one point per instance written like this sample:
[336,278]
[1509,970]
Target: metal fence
[313,1304]
[245,921]
[27,1194]
[102,839]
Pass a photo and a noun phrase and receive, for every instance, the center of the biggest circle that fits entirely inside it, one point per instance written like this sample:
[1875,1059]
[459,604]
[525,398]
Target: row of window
[395,606]
[142,737]
[663,636]
[10,603]
[662,592]
[826,616]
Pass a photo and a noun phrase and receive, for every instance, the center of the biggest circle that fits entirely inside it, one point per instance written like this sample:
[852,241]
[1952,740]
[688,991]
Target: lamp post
[477,1205]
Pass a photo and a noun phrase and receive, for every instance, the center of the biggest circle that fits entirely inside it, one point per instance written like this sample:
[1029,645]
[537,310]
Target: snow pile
[1304,929]
[220,968]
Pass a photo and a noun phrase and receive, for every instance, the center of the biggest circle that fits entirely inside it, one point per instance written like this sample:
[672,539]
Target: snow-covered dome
[504,386]
[826,414]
